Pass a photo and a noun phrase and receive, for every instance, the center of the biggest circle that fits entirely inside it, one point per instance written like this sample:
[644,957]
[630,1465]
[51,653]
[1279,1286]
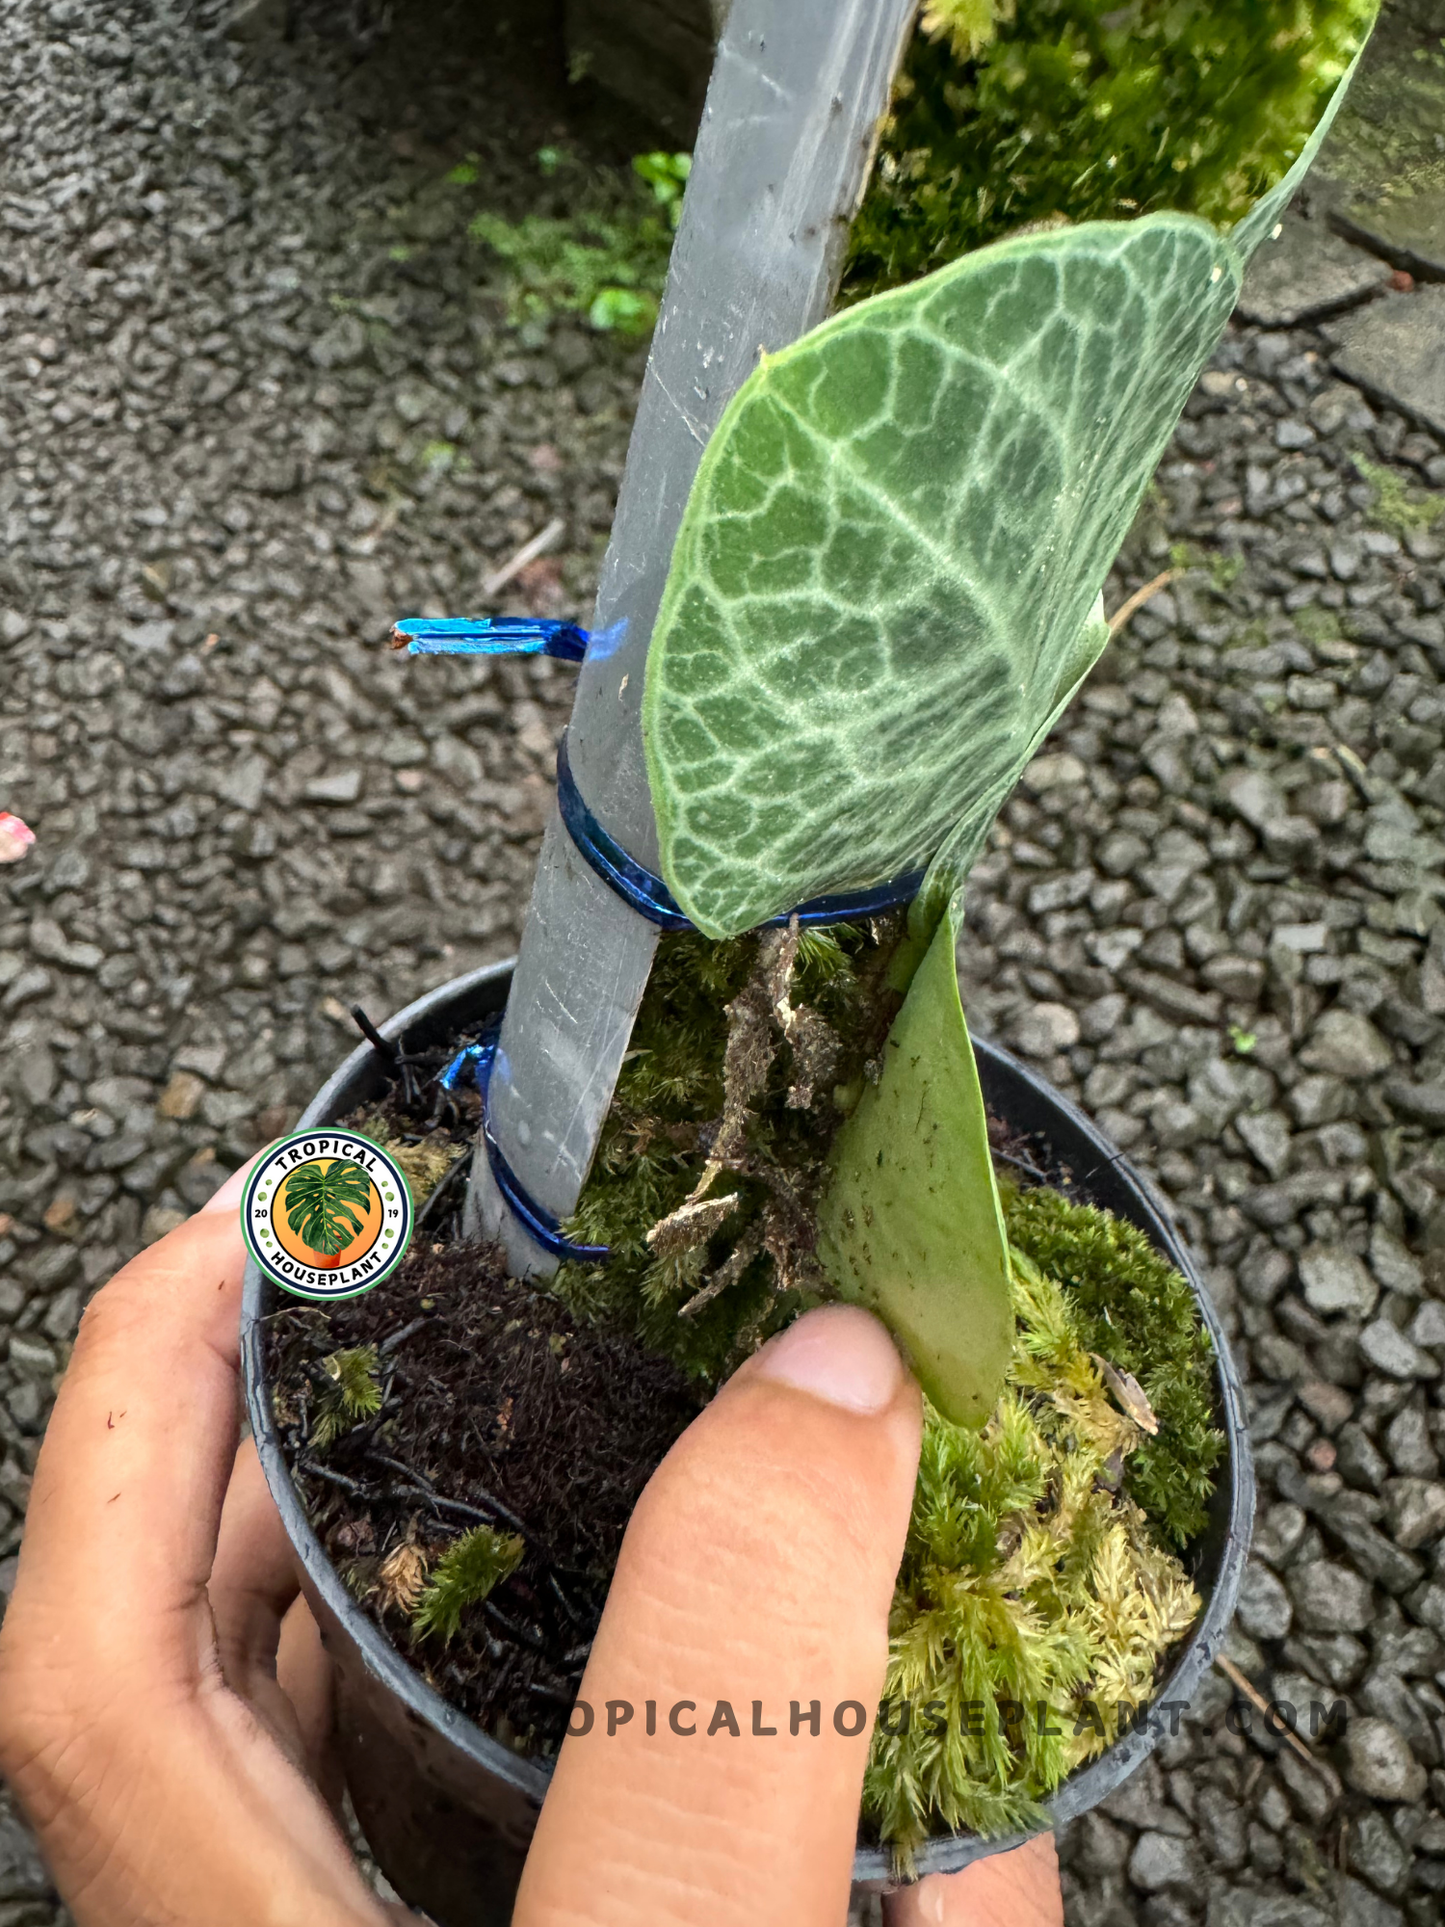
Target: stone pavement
[268,403]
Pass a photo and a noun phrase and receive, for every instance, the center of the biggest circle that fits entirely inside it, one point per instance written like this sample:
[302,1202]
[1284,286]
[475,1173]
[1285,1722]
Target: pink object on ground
[15,837]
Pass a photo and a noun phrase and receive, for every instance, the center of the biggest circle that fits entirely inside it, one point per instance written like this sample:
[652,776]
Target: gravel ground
[1213,913]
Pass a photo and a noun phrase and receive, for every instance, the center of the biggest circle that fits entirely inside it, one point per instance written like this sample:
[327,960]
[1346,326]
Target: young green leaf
[1266,212]
[882,587]
[322,1201]
[910,1223]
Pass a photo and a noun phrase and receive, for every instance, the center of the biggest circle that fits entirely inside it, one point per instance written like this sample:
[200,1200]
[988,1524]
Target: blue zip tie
[539,1225]
[489,636]
[650,897]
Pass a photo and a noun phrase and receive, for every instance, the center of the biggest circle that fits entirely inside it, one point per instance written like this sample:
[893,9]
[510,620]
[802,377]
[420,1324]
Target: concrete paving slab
[1408,231]
[1307,272]
[1395,350]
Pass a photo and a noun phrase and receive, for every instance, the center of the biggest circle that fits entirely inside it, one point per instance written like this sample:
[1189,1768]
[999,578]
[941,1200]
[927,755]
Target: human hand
[758,1568]
[164,1701]
[163,1698]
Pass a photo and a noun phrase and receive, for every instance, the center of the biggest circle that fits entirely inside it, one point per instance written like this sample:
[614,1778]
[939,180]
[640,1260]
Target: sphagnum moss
[1034,1603]
[667,1116]
[1037,1568]
[1134,1309]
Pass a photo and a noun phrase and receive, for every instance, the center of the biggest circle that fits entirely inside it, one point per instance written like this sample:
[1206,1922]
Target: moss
[662,1139]
[424,1161]
[423,1165]
[1038,1566]
[353,1394]
[1383,147]
[603,255]
[1397,507]
[1135,1310]
[470,1568]
[1034,1604]
[1084,110]
[1319,625]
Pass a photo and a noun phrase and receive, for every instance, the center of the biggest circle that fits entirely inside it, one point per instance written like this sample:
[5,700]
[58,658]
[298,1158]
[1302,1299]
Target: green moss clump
[1084,110]
[669,1112]
[1135,1310]
[1030,1580]
[470,1568]
[1397,507]
[604,257]
[353,1394]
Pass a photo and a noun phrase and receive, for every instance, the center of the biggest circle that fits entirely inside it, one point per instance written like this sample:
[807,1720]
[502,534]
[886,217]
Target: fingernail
[838,1353]
[228,1198]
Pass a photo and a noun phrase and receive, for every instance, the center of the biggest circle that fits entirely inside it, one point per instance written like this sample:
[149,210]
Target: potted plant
[883,592]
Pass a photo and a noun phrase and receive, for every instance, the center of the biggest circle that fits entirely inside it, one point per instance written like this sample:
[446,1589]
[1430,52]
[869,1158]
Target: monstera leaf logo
[322,1204]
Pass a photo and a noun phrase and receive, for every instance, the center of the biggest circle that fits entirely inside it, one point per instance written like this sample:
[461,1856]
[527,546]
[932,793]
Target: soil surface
[497,1410]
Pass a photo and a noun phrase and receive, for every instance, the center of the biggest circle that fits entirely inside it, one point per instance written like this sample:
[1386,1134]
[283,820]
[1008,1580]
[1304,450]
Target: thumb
[752,1591]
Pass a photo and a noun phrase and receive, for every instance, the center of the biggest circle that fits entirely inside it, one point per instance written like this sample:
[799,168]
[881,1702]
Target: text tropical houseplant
[885,590]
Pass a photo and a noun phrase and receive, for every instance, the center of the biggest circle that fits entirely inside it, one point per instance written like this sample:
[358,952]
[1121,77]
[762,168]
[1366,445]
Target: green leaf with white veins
[881,593]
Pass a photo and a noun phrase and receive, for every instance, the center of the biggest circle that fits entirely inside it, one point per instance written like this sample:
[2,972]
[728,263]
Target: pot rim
[872,1866]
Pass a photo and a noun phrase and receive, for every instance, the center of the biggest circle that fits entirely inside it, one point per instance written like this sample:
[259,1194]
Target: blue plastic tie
[650,897]
[539,1225]
[489,636]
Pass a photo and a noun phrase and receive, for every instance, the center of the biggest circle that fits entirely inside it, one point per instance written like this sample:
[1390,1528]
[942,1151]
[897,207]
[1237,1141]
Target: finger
[130,1480]
[268,1644]
[306,1676]
[253,1578]
[137,1454]
[758,1568]
[1016,1889]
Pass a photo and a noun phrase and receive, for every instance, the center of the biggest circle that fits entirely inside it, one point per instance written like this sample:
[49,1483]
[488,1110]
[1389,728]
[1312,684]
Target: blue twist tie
[489,636]
[539,1225]
[650,897]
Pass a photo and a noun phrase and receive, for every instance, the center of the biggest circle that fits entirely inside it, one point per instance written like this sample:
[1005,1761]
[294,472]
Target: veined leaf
[322,1201]
[951,865]
[889,556]
[879,599]
[910,1223]
[1262,217]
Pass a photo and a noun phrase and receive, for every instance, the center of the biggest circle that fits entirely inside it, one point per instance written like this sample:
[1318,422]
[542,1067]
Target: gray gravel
[1213,913]
[248,436]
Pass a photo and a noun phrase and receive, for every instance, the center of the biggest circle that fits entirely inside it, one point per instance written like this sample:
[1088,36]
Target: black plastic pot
[447,1810]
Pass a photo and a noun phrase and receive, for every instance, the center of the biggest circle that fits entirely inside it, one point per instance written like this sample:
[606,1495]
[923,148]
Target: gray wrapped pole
[787,139]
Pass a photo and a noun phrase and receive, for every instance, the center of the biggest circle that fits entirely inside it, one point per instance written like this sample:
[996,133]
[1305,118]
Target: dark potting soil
[498,1408]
